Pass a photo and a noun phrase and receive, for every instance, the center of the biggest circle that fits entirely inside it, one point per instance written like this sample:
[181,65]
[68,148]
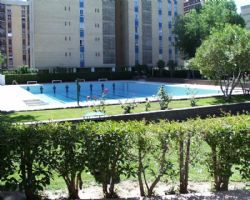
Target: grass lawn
[110,110]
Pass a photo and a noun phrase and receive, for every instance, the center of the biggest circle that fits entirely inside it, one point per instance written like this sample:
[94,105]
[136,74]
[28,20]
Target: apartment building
[245,12]
[90,34]
[192,4]
[147,31]
[73,34]
[14,33]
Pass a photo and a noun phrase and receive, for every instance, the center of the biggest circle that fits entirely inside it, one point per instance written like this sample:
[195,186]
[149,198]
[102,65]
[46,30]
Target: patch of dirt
[130,190]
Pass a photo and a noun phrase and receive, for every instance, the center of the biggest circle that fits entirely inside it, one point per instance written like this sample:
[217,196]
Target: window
[65,38]
[81,19]
[69,53]
[66,54]
[69,38]
[97,25]
[81,33]
[69,8]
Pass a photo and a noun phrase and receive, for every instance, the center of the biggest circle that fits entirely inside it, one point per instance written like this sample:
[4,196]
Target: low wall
[177,114]
[2,79]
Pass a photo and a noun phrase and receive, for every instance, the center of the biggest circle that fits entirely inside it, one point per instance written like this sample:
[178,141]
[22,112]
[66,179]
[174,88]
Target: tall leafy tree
[224,57]
[192,28]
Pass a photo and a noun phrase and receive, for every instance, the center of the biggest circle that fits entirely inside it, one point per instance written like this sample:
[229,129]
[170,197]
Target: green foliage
[141,69]
[171,65]
[152,145]
[192,96]
[228,139]
[1,58]
[108,146]
[68,155]
[128,107]
[194,27]
[164,98]
[30,154]
[25,69]
[66,77]
[161,64]
[30,147]
[147,105]
[7,164]
[224,56]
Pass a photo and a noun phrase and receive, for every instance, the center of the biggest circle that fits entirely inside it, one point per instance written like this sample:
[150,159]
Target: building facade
[245,12]
[14,33]
[73,34]
[147,31]
[90,34]
[192,4]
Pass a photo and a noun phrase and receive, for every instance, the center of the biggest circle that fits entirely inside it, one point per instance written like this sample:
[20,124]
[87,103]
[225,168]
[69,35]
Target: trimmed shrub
[229,140]
[66,77]
[108,146]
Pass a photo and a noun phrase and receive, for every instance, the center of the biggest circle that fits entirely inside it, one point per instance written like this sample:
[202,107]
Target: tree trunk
[187,165]
[105,189]
[221,183]
[112,187]
[182,168]
[139,174]
[151,189]
[73,190]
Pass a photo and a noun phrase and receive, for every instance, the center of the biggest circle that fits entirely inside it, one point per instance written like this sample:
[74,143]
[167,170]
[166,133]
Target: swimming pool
[110,90]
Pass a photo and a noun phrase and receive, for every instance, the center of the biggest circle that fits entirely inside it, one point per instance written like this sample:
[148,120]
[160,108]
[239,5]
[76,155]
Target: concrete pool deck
[14,98]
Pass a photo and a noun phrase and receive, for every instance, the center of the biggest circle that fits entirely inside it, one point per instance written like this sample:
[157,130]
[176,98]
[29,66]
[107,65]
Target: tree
[161,65]
[228,138]
[171,66]
[31,147]
[68,155]
[164,98]
[1,59]
[194,27]
[152,143]
[108,145]
[224,57]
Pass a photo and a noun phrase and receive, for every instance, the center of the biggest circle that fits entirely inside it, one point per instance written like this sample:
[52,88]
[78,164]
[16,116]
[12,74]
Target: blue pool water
[66,92]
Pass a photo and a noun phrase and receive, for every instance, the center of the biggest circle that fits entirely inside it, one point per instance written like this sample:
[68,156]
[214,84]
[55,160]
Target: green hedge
[30,155]
[66,77]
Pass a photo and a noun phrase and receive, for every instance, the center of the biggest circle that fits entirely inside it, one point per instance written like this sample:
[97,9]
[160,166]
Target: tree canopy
[194,27]
[224,56]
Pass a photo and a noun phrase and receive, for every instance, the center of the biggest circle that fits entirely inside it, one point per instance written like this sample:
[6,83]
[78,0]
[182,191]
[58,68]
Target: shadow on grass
[234,99]
[9,117]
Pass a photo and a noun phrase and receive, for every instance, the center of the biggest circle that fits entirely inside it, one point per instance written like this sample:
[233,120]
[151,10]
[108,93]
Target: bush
[66,77]
[164,98]
[108,150]
[108,146]
[152,145]
[68,155]
[228,139]
[28,162]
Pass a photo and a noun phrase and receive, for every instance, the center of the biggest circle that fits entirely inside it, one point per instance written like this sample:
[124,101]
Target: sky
[240,3]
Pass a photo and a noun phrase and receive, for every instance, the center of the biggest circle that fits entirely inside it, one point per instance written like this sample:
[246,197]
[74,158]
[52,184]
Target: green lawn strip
[111,110]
